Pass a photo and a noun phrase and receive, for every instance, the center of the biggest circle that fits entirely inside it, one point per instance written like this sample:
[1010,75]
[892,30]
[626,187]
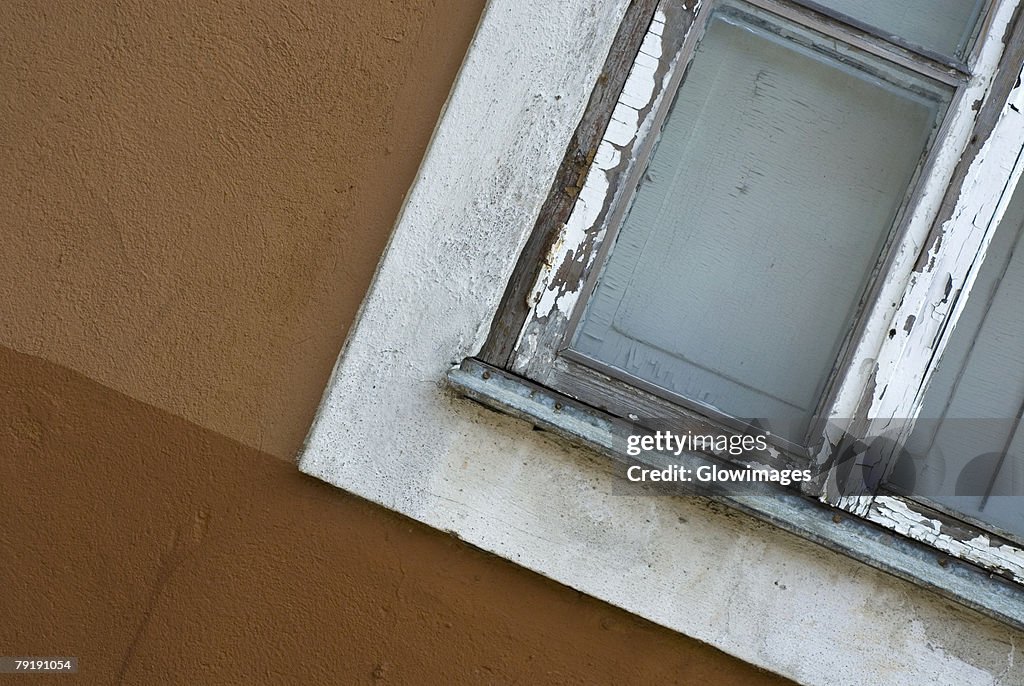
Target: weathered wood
[514,307]
[944,274]
[569,268]
[629,400]
[946,267]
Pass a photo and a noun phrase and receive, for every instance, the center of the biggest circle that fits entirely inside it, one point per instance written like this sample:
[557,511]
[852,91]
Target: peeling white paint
[895,514]
[932,298]
[904,292]
[949,269]
[641,92]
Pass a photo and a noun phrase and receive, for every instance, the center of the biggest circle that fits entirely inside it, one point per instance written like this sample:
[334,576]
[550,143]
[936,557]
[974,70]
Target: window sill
[799,515]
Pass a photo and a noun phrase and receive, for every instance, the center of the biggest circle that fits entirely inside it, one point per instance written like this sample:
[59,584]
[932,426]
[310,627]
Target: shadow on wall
[160,552]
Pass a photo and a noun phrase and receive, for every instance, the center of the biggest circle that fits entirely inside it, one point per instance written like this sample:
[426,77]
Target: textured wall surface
[194,201]
[159,552]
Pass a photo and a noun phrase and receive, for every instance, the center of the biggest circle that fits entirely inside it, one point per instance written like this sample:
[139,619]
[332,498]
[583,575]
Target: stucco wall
[192,202]
[159,552]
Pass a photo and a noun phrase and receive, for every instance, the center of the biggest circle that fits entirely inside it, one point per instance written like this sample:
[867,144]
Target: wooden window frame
[918,292]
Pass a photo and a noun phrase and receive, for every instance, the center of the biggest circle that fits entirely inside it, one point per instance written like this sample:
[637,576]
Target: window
[512,152]
[761,224]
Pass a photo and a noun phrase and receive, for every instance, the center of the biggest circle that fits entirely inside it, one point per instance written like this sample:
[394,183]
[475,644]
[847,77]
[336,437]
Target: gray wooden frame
[531,339]
[529,330]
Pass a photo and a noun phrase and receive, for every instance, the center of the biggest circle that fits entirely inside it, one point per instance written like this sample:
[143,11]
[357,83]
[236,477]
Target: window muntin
[528,334]
[966,444]
[751,239]
[945,27]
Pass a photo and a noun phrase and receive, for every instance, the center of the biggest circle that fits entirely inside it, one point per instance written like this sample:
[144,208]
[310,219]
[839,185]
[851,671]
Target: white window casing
[390,429]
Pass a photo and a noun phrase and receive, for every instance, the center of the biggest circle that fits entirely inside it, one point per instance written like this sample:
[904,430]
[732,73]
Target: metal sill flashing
[805,517]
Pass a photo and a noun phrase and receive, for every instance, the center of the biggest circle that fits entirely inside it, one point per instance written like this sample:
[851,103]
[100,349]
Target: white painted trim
[874,350]
[908,359]
[390,430]
[626,131]
[893,513]
[905,362]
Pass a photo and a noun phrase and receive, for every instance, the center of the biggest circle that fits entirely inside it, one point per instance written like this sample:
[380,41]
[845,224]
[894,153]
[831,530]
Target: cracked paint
[935,295]
[923,259]
[898,516]
[574,251]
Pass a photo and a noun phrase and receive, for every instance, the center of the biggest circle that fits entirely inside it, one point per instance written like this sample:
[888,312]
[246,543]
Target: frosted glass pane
[972,407]
[943,26]
[739,267]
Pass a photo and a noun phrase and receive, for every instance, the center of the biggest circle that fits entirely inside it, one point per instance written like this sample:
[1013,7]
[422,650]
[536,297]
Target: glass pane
[738,270]
[969,429]
[942,26]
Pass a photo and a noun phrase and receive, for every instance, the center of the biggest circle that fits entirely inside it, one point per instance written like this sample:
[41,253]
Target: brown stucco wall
[161,552]
[192,202]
